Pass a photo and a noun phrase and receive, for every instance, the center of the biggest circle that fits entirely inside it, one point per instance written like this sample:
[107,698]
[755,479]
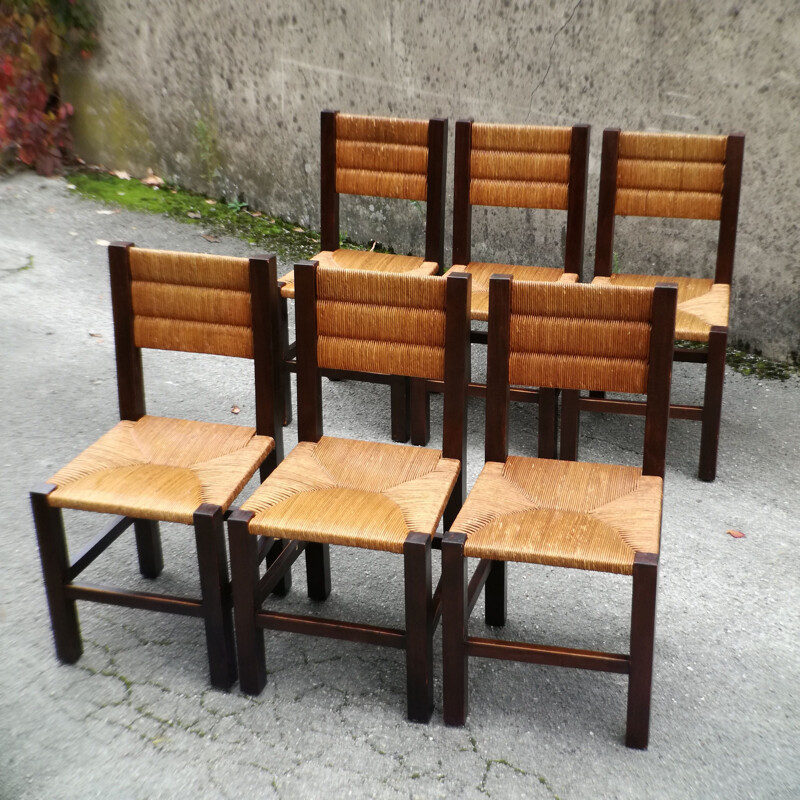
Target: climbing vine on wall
[34,34]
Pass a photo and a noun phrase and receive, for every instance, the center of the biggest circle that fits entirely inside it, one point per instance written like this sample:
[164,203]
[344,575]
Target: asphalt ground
[136,716]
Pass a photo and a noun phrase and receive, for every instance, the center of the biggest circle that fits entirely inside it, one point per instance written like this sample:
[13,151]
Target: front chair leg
[419,626]
[454,629]
[244,579]
[148,547]
[643,623]
[712,403]
[54,555]
[215,589]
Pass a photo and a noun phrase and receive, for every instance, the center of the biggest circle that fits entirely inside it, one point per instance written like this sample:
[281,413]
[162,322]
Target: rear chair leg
[215,590]
[54,555]
[244,579]
[712,403]
[419,626]
[570,424]
[401,408]
[454,629]
[548,423]
[318,570]
[643,623]
[148,547]
[286,383]
[494,593]
[420,412]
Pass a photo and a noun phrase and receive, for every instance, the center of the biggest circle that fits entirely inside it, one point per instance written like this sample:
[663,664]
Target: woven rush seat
[560,513]
[482,271]
[160,468]
[702,303]
[359,494]
[363,260]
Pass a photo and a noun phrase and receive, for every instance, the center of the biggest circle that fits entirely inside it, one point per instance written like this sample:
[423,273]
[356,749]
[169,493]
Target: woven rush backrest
[382,157]
[670,175]
[579,336]
[191,302]
[521,166]
[384,323]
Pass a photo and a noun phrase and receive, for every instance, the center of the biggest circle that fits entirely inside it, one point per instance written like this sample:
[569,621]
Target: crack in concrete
[550,58]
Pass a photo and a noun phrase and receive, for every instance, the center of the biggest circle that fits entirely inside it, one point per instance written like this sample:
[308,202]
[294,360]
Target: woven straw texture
[359,494]
[701,302]
[482,273]
[562,513]
[578,336]
[160,468]
[520,166]
[191,302]
[364,260]
[670,175]
[382,157]
[374,322]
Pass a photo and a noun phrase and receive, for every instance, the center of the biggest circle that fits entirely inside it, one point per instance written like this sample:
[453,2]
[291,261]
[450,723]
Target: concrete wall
[224,96]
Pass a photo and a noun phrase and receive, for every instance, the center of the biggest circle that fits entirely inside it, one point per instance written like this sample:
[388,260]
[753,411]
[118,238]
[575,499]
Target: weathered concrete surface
[226,97]
[136,718]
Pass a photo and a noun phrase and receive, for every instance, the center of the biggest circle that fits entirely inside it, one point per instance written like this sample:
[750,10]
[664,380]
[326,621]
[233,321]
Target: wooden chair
[563,513]
[679,176]
[150,468]
[387,497]
[391,158]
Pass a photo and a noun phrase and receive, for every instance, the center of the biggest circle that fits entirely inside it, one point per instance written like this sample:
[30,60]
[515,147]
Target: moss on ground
[748,363]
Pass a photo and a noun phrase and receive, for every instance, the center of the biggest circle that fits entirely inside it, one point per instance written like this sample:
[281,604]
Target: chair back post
[576,199]
[497,387]
[457,375]
[309,381]
[462,209]
[436,184]
[659,378]
[729,212]
[266,320]
[604,248]
[329,197]
[130,376]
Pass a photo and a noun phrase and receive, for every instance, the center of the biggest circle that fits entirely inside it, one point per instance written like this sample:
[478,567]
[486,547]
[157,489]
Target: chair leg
[53,552]
[318,570]
[712,403]
[548,423]
[570,425]
[283,348]
[419,626]
[494,593]
[148,547]
[643,622]
[454,629]
[215,590]
[285,583]
[420,412]
[244,580]
[401,408]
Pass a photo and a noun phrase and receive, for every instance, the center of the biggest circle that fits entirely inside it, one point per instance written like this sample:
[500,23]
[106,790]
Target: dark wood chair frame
[712,355]
[214,606]
[410,414]
[459,595]
[422,604]
[573,254]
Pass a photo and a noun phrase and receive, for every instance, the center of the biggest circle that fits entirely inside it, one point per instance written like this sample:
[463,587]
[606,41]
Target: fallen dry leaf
[152,179]
[209,237]
[254,213]
[736,534]
[235,409]
[96,335]
[121,174]
[194,214]
[108,211]
[211,202]
[102,242]
[298,230]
